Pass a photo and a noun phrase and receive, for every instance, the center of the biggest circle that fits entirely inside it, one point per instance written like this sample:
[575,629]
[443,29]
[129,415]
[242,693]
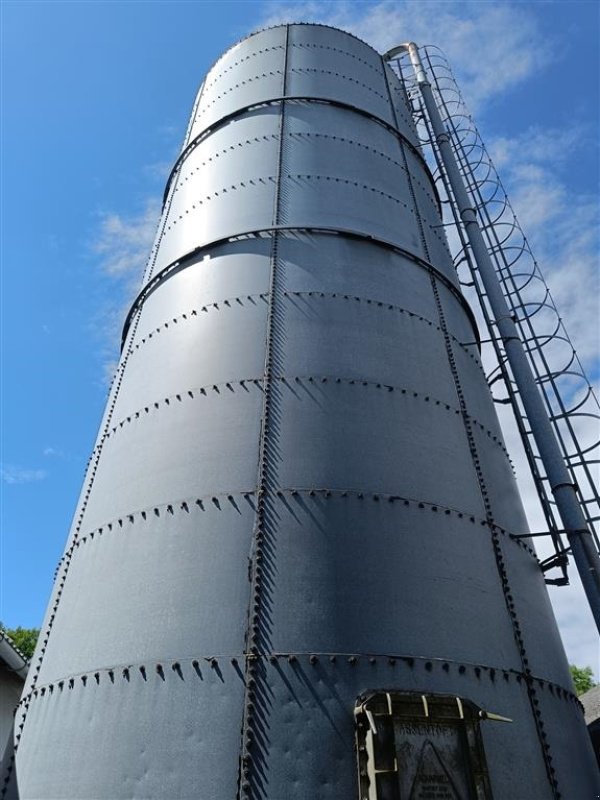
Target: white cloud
[576,624]
[159,170]
[57,453]
[122,246]
[109,368]
[538,145]
[561,225]
[52,451]
[12,474]
[476,37]
[123,242]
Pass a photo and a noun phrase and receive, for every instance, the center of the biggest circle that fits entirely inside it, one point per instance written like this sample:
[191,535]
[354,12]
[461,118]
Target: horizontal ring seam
[194,391]
[187,504]
[307,134]
[228,301]
[433,229]
[298,98]
[193,661]
[182,263]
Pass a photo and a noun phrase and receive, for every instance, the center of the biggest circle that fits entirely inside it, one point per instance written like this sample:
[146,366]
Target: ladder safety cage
[569,399]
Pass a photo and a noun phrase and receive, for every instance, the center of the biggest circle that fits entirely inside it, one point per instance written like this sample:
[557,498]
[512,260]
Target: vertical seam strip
[256,636]
[496,544]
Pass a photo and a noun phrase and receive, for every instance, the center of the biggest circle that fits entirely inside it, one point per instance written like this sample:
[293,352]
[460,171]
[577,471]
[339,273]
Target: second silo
[293,544]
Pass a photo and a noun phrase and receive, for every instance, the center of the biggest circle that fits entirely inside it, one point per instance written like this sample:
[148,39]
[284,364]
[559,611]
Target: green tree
[24,639]
[583,678]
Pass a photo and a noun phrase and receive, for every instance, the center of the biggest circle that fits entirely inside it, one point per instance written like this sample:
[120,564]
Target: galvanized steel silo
[296,525]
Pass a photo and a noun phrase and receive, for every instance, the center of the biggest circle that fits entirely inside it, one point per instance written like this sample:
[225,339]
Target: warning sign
[432,780]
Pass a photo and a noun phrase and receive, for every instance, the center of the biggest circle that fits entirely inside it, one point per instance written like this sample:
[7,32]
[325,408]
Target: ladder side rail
[545,375]
[545,378]
[547,506]
[580,537]
[497,180]
[533,458]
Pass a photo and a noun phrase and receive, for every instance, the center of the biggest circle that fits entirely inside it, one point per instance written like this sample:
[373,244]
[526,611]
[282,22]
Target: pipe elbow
[413,51]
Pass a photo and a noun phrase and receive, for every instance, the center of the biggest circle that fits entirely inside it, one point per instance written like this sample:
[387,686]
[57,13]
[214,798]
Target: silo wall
[300,493]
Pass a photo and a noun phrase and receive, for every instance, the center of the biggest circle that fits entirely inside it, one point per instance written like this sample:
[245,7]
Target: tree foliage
[24,639]
[583,678]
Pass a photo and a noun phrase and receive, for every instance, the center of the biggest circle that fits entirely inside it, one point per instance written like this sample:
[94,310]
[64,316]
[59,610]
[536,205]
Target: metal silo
[292,570]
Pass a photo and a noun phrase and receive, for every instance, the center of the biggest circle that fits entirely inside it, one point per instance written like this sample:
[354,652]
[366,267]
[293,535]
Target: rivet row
[183,669]
[221,501]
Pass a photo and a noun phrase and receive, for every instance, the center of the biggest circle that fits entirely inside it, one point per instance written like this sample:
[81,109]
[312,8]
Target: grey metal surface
[299,491]
[143,730]
[329,157]
[308,722]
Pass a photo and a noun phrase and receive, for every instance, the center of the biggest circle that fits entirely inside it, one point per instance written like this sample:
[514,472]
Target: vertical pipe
[580,539]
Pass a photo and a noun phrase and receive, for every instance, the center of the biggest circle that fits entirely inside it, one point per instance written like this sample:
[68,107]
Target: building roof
[12,656]
[591,704]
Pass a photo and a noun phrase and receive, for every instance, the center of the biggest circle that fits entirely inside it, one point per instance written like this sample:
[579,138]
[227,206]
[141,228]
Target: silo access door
[414,746]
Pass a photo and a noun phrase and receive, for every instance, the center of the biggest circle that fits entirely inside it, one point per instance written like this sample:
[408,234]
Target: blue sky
[95,100]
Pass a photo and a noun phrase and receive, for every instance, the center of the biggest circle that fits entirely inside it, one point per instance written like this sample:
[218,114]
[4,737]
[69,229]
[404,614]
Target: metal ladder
[569,398]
